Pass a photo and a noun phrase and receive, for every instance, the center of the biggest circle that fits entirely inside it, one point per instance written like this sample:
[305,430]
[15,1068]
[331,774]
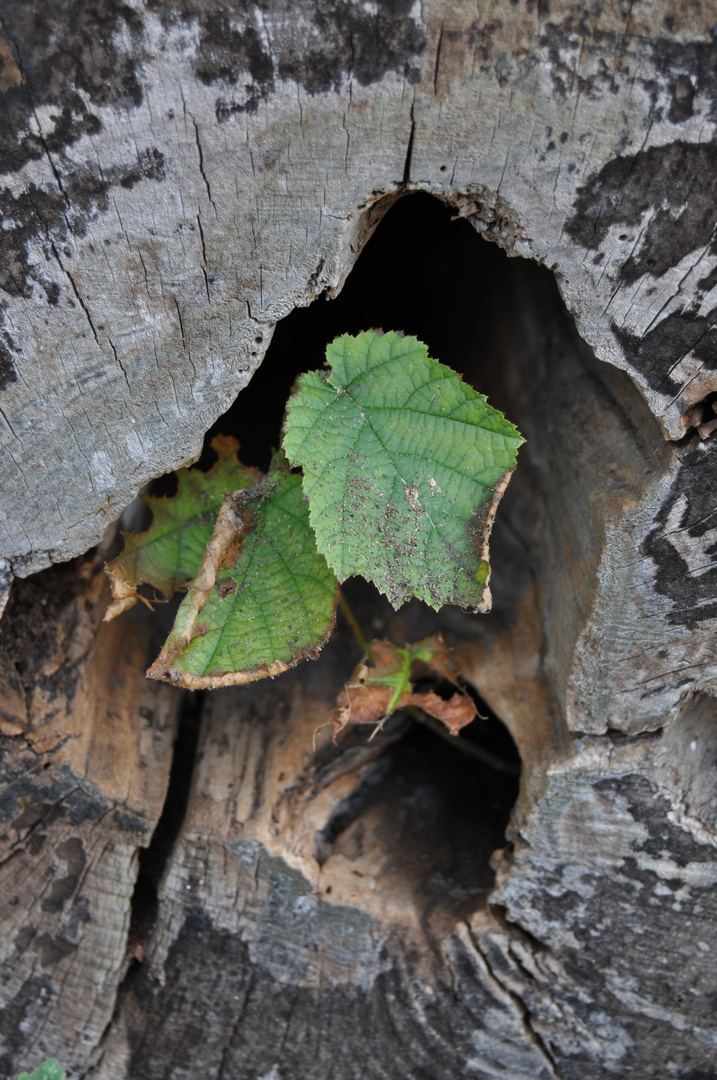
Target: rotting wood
[288,947]
[308,948]
[612,837]
[85,754]
[175,182]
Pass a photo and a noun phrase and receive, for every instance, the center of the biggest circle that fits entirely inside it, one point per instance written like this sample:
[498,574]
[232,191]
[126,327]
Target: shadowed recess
[445,809]
[441,292]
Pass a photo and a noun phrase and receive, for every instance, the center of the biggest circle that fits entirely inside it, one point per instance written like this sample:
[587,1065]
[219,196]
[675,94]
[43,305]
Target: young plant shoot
[402,467]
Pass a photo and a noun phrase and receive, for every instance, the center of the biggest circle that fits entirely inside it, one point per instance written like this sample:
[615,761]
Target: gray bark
[175,180]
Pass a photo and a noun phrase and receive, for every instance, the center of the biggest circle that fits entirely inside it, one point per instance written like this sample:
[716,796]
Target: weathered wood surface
[303,950]
[330,911]
[85,751]
[176,180]
[177,177]
[327,913]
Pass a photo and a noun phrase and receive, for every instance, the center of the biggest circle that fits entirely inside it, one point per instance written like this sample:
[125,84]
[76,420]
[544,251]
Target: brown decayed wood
[86,750]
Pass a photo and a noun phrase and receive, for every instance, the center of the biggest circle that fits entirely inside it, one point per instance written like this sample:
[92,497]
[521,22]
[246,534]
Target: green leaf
[168,554]
[49,1070]
[404,465]
[264,598]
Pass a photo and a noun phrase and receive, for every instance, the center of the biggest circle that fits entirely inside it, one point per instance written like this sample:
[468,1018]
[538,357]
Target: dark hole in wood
[421,272]
[430,275]
[442,812]
[442,815]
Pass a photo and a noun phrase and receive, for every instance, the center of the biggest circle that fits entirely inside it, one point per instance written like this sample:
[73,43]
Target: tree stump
[207,884]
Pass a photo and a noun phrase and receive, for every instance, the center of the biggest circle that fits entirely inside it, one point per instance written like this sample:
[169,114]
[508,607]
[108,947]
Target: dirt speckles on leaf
[417,457]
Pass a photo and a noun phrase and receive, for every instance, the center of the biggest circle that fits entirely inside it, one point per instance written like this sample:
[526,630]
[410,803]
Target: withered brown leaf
[385,682]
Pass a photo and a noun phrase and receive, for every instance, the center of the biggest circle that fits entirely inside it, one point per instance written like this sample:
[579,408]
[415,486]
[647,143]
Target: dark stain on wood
[683,544]
[683,96]
[129,822]
[679,179]
[28,1008]
[658,352]
[73,853]
[31,794]
[691,67]
[247,1023]
[66,54]
[340,40]
[53,217]
[8,374]
[650,808]
[562,42]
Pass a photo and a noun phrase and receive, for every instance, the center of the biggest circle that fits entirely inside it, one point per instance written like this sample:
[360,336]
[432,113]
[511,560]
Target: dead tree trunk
[263,904]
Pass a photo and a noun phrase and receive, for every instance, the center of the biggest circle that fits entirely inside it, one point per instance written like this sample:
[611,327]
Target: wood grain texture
[313,921]
[328,911]
[85,755]
[613,523]
[178,178]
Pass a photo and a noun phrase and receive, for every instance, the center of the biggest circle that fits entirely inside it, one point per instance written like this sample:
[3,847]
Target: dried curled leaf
[264,598]
[167,556]
[404,465]
[386,683]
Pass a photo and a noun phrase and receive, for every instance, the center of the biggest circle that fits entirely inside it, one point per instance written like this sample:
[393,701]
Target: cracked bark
[85,748]
[332,911]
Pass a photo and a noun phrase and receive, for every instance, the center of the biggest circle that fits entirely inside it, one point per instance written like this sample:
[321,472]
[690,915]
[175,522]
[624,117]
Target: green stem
[353,623]
[493,760]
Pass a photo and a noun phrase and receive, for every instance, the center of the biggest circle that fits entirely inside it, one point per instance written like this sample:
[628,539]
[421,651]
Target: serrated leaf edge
[484,516]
